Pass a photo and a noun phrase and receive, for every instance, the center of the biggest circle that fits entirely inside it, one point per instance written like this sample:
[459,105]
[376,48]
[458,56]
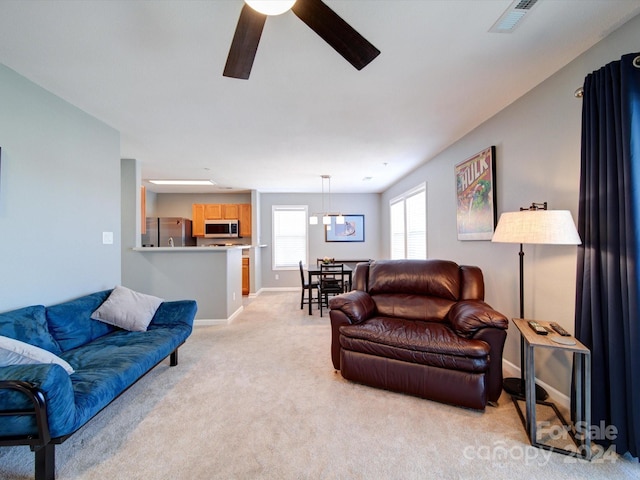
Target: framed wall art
[352,230]
[476,196]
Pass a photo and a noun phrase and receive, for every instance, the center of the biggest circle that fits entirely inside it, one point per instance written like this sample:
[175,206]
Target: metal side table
[582,385]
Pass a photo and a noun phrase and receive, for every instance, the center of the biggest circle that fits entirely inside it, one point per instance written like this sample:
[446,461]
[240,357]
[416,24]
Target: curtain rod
[579,93]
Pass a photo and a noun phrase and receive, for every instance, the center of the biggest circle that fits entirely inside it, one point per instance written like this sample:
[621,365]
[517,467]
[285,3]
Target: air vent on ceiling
[513,16]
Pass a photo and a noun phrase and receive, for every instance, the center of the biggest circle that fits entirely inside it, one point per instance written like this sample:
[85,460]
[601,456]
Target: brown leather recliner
[420,327]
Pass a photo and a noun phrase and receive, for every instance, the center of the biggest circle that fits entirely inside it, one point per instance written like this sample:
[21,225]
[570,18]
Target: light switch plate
[107,238]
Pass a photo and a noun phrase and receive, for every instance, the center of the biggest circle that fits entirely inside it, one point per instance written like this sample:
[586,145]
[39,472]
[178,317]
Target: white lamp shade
[340,219]
[313,220]
[271,7]
[552,227]
[326,220]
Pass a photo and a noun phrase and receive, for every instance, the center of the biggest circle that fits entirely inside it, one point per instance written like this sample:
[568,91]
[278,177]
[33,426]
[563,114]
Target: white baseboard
[255,294]
[207,322]
[511,370]
[281,289]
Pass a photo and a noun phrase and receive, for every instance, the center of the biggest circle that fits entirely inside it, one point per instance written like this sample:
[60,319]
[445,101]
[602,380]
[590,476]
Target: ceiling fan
[315,13]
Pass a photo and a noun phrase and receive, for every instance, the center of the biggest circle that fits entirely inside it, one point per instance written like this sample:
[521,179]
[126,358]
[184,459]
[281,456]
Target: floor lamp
[533,225]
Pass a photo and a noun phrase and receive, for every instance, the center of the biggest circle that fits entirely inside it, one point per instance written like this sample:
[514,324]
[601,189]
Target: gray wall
[537,139]
[151,205]
[366,204]
[59,190]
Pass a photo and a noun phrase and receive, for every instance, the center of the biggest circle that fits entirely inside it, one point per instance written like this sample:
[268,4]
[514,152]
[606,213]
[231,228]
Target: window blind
[289,236]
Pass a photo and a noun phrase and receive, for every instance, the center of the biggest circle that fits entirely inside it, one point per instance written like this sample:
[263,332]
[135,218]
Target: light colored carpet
[260,399]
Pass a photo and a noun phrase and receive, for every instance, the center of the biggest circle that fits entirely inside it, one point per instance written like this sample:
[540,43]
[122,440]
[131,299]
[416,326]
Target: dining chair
[331,282]
[310,287]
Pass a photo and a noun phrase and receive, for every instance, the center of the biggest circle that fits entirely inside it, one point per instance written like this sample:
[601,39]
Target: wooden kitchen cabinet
[244,211]
[245,276]
[221,211]
[213,211]
[230,211]
[197,224]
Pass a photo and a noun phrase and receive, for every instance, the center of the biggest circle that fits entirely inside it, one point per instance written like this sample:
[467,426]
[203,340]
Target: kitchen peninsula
[211,275]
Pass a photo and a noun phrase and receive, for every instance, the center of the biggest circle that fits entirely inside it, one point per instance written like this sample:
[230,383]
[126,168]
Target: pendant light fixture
[326,214]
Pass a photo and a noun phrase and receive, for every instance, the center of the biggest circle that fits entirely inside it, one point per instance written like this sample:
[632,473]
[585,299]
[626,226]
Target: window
[397,230]
[409,224]
[289,236]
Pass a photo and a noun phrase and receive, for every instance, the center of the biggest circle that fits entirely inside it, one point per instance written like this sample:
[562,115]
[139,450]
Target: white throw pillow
[128,309]
[15,352]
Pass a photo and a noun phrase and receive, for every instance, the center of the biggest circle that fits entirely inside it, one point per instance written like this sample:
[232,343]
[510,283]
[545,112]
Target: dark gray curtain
[607,296]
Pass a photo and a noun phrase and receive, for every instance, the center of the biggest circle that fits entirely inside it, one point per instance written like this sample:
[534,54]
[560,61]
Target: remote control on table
[559,330]
[536,327]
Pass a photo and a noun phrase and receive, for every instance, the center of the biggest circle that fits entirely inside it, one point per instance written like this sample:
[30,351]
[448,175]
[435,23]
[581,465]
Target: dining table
[315,271]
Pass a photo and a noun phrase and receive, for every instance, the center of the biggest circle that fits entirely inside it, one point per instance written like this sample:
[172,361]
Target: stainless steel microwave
[221,228]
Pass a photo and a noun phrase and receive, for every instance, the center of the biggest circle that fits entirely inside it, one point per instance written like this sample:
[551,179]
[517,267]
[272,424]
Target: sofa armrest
[469,316]
[495,337]
[176,312]
[356,305]
[52,384]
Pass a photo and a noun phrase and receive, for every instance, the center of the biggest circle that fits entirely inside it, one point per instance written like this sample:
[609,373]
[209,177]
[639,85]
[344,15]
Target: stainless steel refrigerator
[168,232]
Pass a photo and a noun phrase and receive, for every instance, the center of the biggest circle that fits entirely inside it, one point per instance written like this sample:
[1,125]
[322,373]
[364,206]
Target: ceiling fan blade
[336,32]
[245,43]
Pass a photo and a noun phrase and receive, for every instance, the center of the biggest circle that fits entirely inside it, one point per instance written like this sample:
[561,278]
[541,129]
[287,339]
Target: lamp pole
[516,386]
[521,254]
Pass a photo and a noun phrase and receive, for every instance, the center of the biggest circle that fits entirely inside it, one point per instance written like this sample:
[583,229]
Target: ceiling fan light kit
[271,7]
[315,13]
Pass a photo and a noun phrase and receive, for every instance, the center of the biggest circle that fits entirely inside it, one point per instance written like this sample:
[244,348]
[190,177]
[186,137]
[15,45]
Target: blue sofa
[42,404]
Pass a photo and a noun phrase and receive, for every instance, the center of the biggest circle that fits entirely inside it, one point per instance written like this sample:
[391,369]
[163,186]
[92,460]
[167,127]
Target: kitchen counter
[204,248]
[210,275]
[188,249]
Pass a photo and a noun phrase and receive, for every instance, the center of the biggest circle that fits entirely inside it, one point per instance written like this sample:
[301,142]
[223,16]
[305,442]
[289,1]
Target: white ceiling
[153,71]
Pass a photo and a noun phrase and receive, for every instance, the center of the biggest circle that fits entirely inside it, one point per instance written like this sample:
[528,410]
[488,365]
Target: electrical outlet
[234,295]
[107,238]
[277,277]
